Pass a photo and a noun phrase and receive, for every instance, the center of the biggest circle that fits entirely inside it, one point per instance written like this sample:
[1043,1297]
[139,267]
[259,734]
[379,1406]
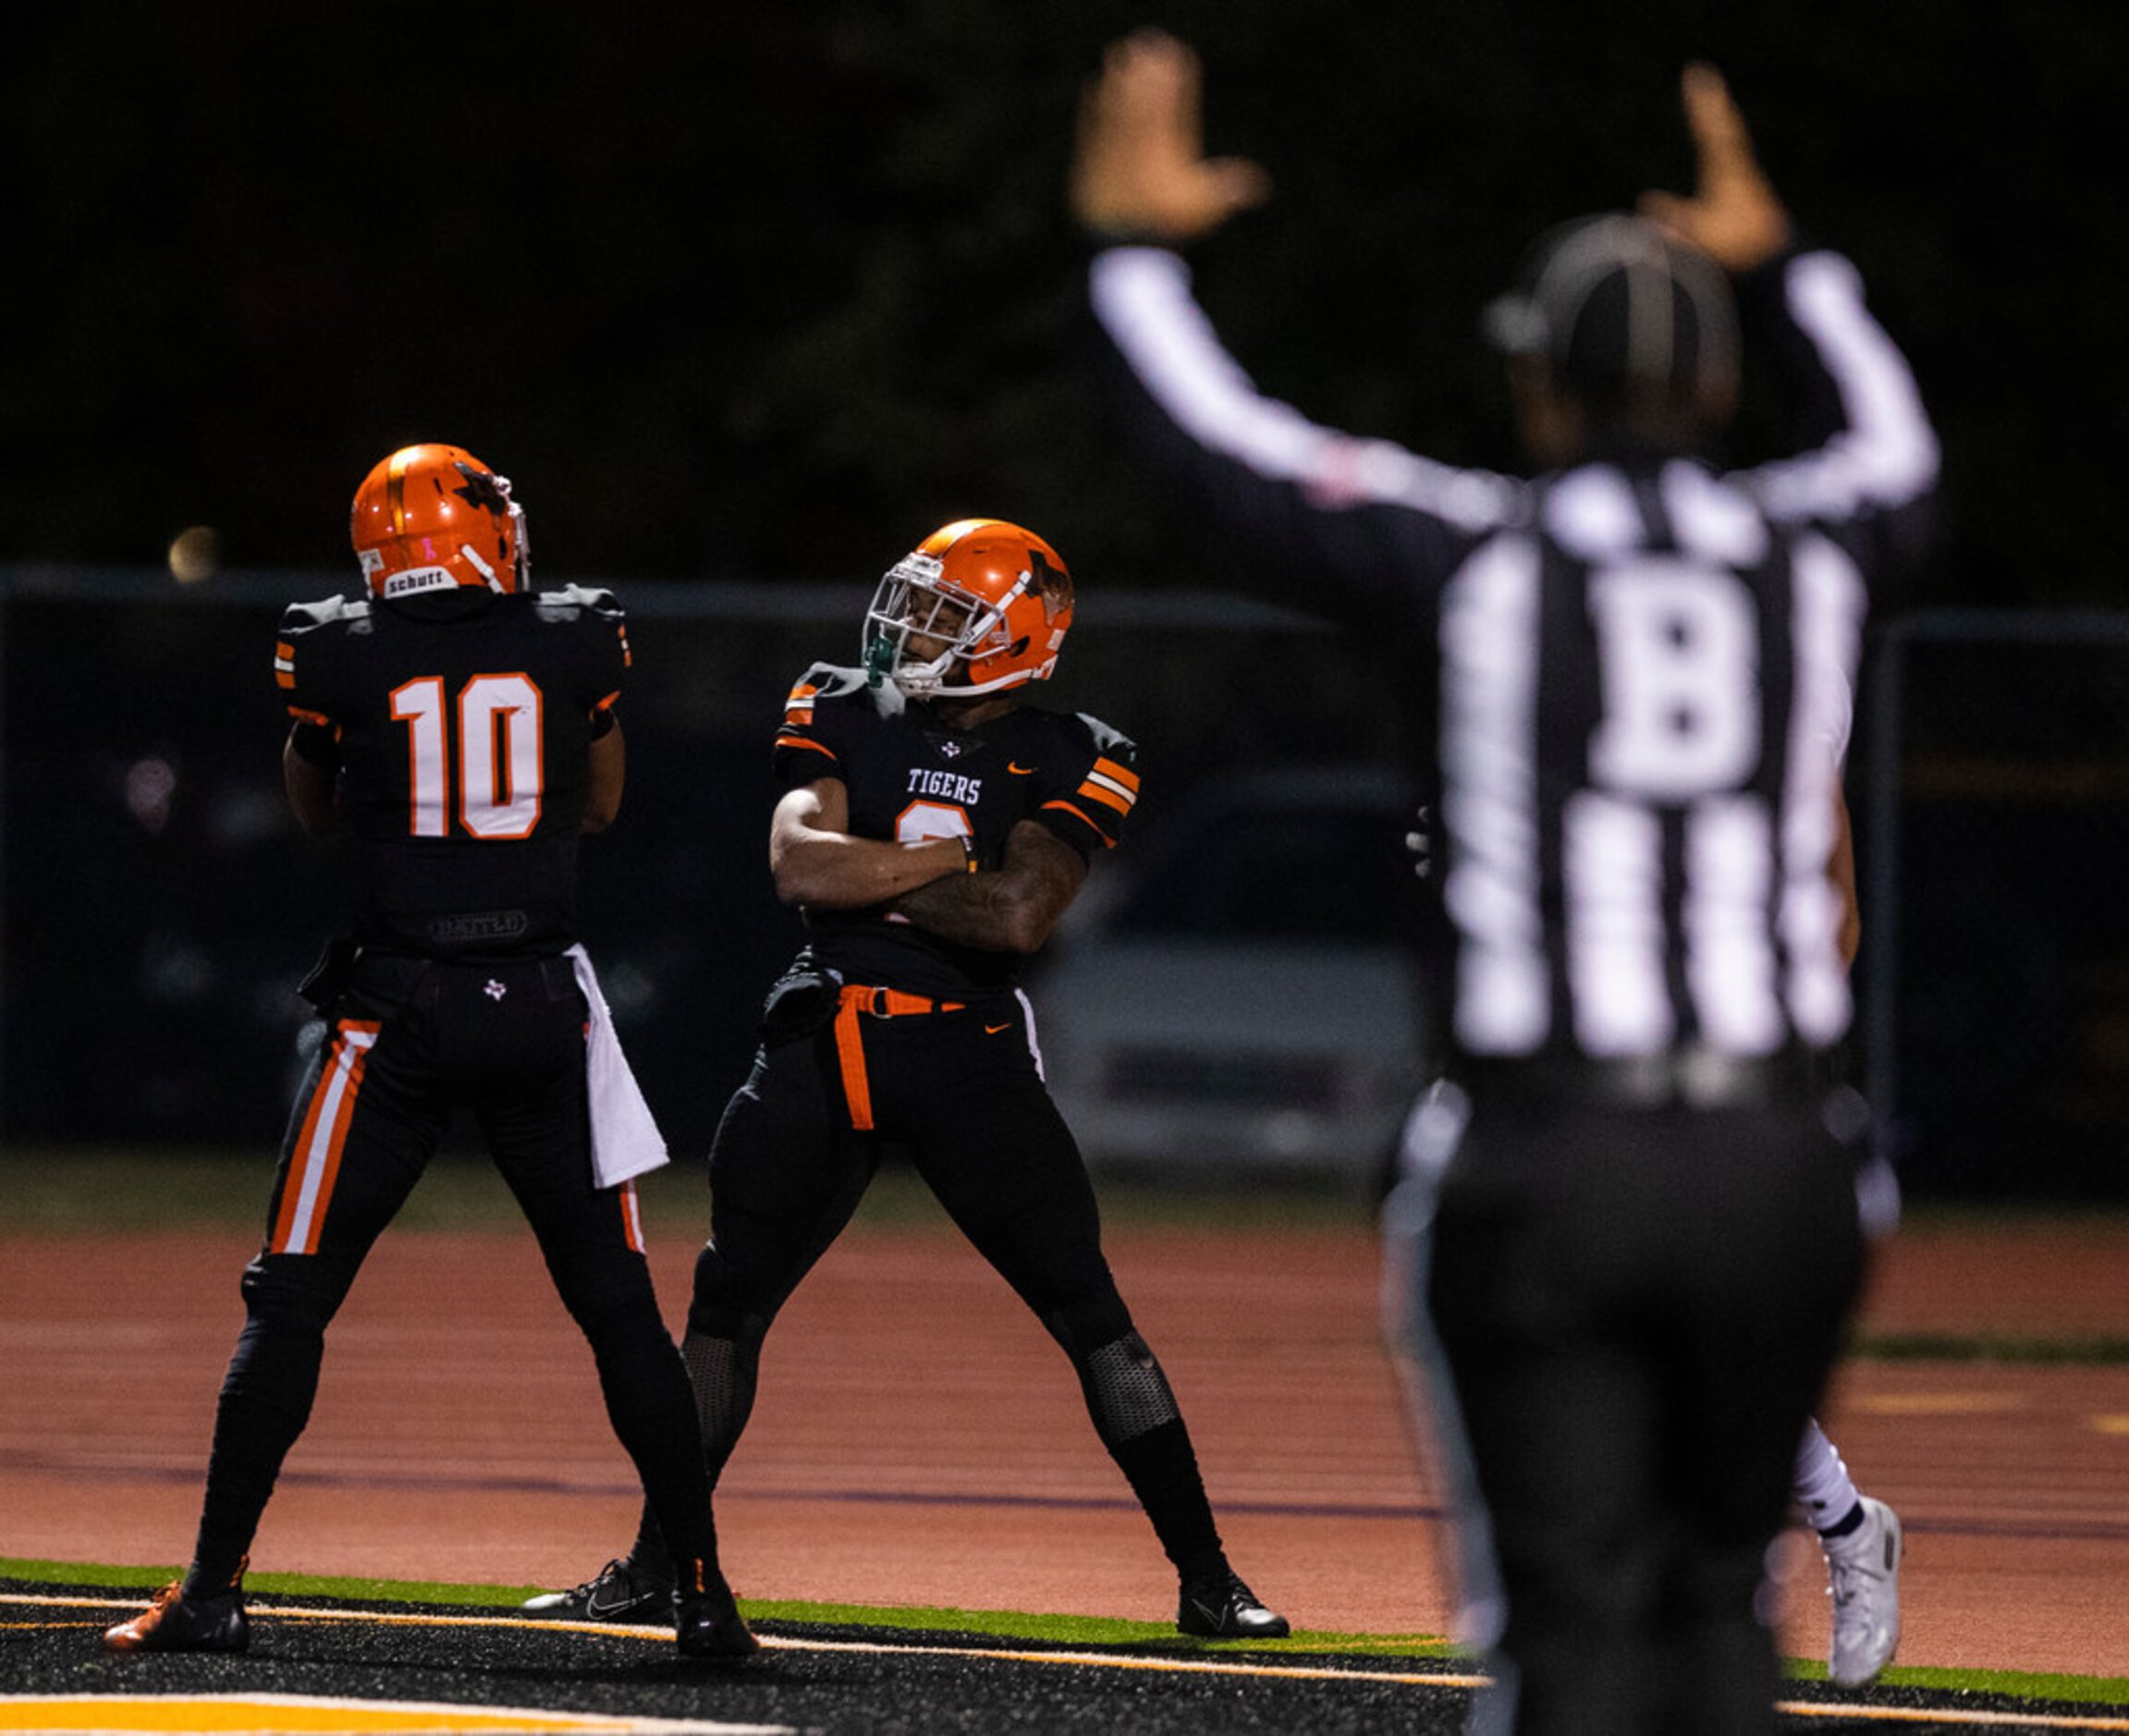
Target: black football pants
[408,1042]
[1639,1309]
[961,1093]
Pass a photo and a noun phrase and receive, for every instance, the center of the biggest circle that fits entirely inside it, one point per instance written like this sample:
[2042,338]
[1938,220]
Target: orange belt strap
[850,1049]
[881,1003]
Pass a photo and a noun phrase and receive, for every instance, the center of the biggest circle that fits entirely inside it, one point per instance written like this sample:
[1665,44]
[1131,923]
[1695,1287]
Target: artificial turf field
[376,1658]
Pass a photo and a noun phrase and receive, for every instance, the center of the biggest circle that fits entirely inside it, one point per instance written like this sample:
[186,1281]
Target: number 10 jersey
[460,728]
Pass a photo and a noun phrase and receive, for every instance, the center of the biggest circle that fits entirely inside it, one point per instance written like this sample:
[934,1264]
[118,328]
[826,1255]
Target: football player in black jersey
[932,830]
[460,729]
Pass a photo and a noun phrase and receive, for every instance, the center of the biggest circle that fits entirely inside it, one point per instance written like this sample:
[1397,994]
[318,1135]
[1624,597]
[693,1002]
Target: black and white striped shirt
[1643,663]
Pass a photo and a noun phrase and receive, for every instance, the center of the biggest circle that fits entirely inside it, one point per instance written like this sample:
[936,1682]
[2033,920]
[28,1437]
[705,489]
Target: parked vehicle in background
[1245,997]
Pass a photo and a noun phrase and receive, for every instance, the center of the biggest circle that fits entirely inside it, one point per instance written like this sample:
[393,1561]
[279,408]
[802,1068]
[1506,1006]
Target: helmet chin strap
[925,680]
[480,566]
[520,538]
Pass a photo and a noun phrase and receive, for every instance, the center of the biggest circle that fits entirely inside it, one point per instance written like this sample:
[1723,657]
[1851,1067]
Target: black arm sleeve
[315,743]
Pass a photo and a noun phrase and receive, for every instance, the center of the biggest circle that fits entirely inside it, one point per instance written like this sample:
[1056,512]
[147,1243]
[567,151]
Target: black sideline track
[838,1682]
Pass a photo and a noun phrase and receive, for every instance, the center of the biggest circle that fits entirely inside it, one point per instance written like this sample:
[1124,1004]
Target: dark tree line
[767,291]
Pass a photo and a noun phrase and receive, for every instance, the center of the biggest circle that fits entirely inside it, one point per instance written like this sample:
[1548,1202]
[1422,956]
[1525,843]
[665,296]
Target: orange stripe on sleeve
[1123,774]
[1093,825]
[800,741]
[317,717]
[1107,798]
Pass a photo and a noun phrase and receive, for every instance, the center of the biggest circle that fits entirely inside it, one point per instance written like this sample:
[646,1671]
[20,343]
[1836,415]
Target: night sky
[767,292]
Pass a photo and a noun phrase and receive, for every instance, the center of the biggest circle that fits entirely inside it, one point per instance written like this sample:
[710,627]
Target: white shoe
[1862,1570]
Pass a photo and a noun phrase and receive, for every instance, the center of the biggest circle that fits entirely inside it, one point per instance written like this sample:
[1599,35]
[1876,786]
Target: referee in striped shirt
[1646,1243]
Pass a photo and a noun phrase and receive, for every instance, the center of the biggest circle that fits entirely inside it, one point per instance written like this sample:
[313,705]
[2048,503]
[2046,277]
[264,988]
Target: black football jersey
[910,777]
[462,727]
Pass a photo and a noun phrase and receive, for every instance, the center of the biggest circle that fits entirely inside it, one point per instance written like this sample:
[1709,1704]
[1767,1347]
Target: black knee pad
[723,1305]
[1126,1390]
[294,1291]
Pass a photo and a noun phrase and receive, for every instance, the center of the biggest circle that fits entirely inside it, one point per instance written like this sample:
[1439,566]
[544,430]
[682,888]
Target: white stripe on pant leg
[1431,1133]
[1034,1048]
[352,1043]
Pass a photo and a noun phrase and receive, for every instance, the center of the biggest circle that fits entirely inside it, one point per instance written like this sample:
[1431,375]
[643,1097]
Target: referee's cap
[1622,314]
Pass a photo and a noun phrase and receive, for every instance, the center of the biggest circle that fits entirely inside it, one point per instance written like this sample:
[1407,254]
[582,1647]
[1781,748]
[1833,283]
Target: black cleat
[175,1622]
[620,1590]
[1221,1607]
[708,1623]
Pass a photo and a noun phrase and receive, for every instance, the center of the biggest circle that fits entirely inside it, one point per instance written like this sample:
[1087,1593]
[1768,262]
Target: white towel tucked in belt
[625,1140]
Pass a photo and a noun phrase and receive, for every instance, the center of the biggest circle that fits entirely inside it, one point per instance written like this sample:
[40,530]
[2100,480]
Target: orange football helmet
[978,607]
[432,516]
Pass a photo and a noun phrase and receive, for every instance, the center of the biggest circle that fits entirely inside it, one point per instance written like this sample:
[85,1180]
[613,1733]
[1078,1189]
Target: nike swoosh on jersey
[992,1031]
[1019,771]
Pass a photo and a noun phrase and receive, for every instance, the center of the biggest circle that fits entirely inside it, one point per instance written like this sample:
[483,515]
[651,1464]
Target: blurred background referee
[1644,1238]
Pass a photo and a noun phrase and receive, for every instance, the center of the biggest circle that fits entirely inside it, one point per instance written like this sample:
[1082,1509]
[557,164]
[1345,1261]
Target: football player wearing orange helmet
[460,729]
[979,606]
[432,516]
[933,828]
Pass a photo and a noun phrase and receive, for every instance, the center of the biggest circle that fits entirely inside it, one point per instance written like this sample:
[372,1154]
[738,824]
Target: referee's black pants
[1639,1309]
[409,1042]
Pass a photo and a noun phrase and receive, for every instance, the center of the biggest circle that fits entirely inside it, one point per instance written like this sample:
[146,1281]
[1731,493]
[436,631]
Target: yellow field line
[626,1629]
[317,1715]
[1111,1660]
[1126,1661]
[1951,1714]
[410,1619]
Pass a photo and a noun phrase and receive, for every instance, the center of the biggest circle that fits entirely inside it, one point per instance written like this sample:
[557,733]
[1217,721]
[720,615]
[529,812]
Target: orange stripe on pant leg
[339,1145]
[631,1217]
[300,1157]
[338,1081]
[850,1049]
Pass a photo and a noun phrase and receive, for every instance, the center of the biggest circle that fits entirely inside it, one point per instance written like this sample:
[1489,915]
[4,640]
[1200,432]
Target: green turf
[69,1193]
[2014,1684]
[1078,1630]
[107,1191]
[1035,1630]
[1004,1624]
